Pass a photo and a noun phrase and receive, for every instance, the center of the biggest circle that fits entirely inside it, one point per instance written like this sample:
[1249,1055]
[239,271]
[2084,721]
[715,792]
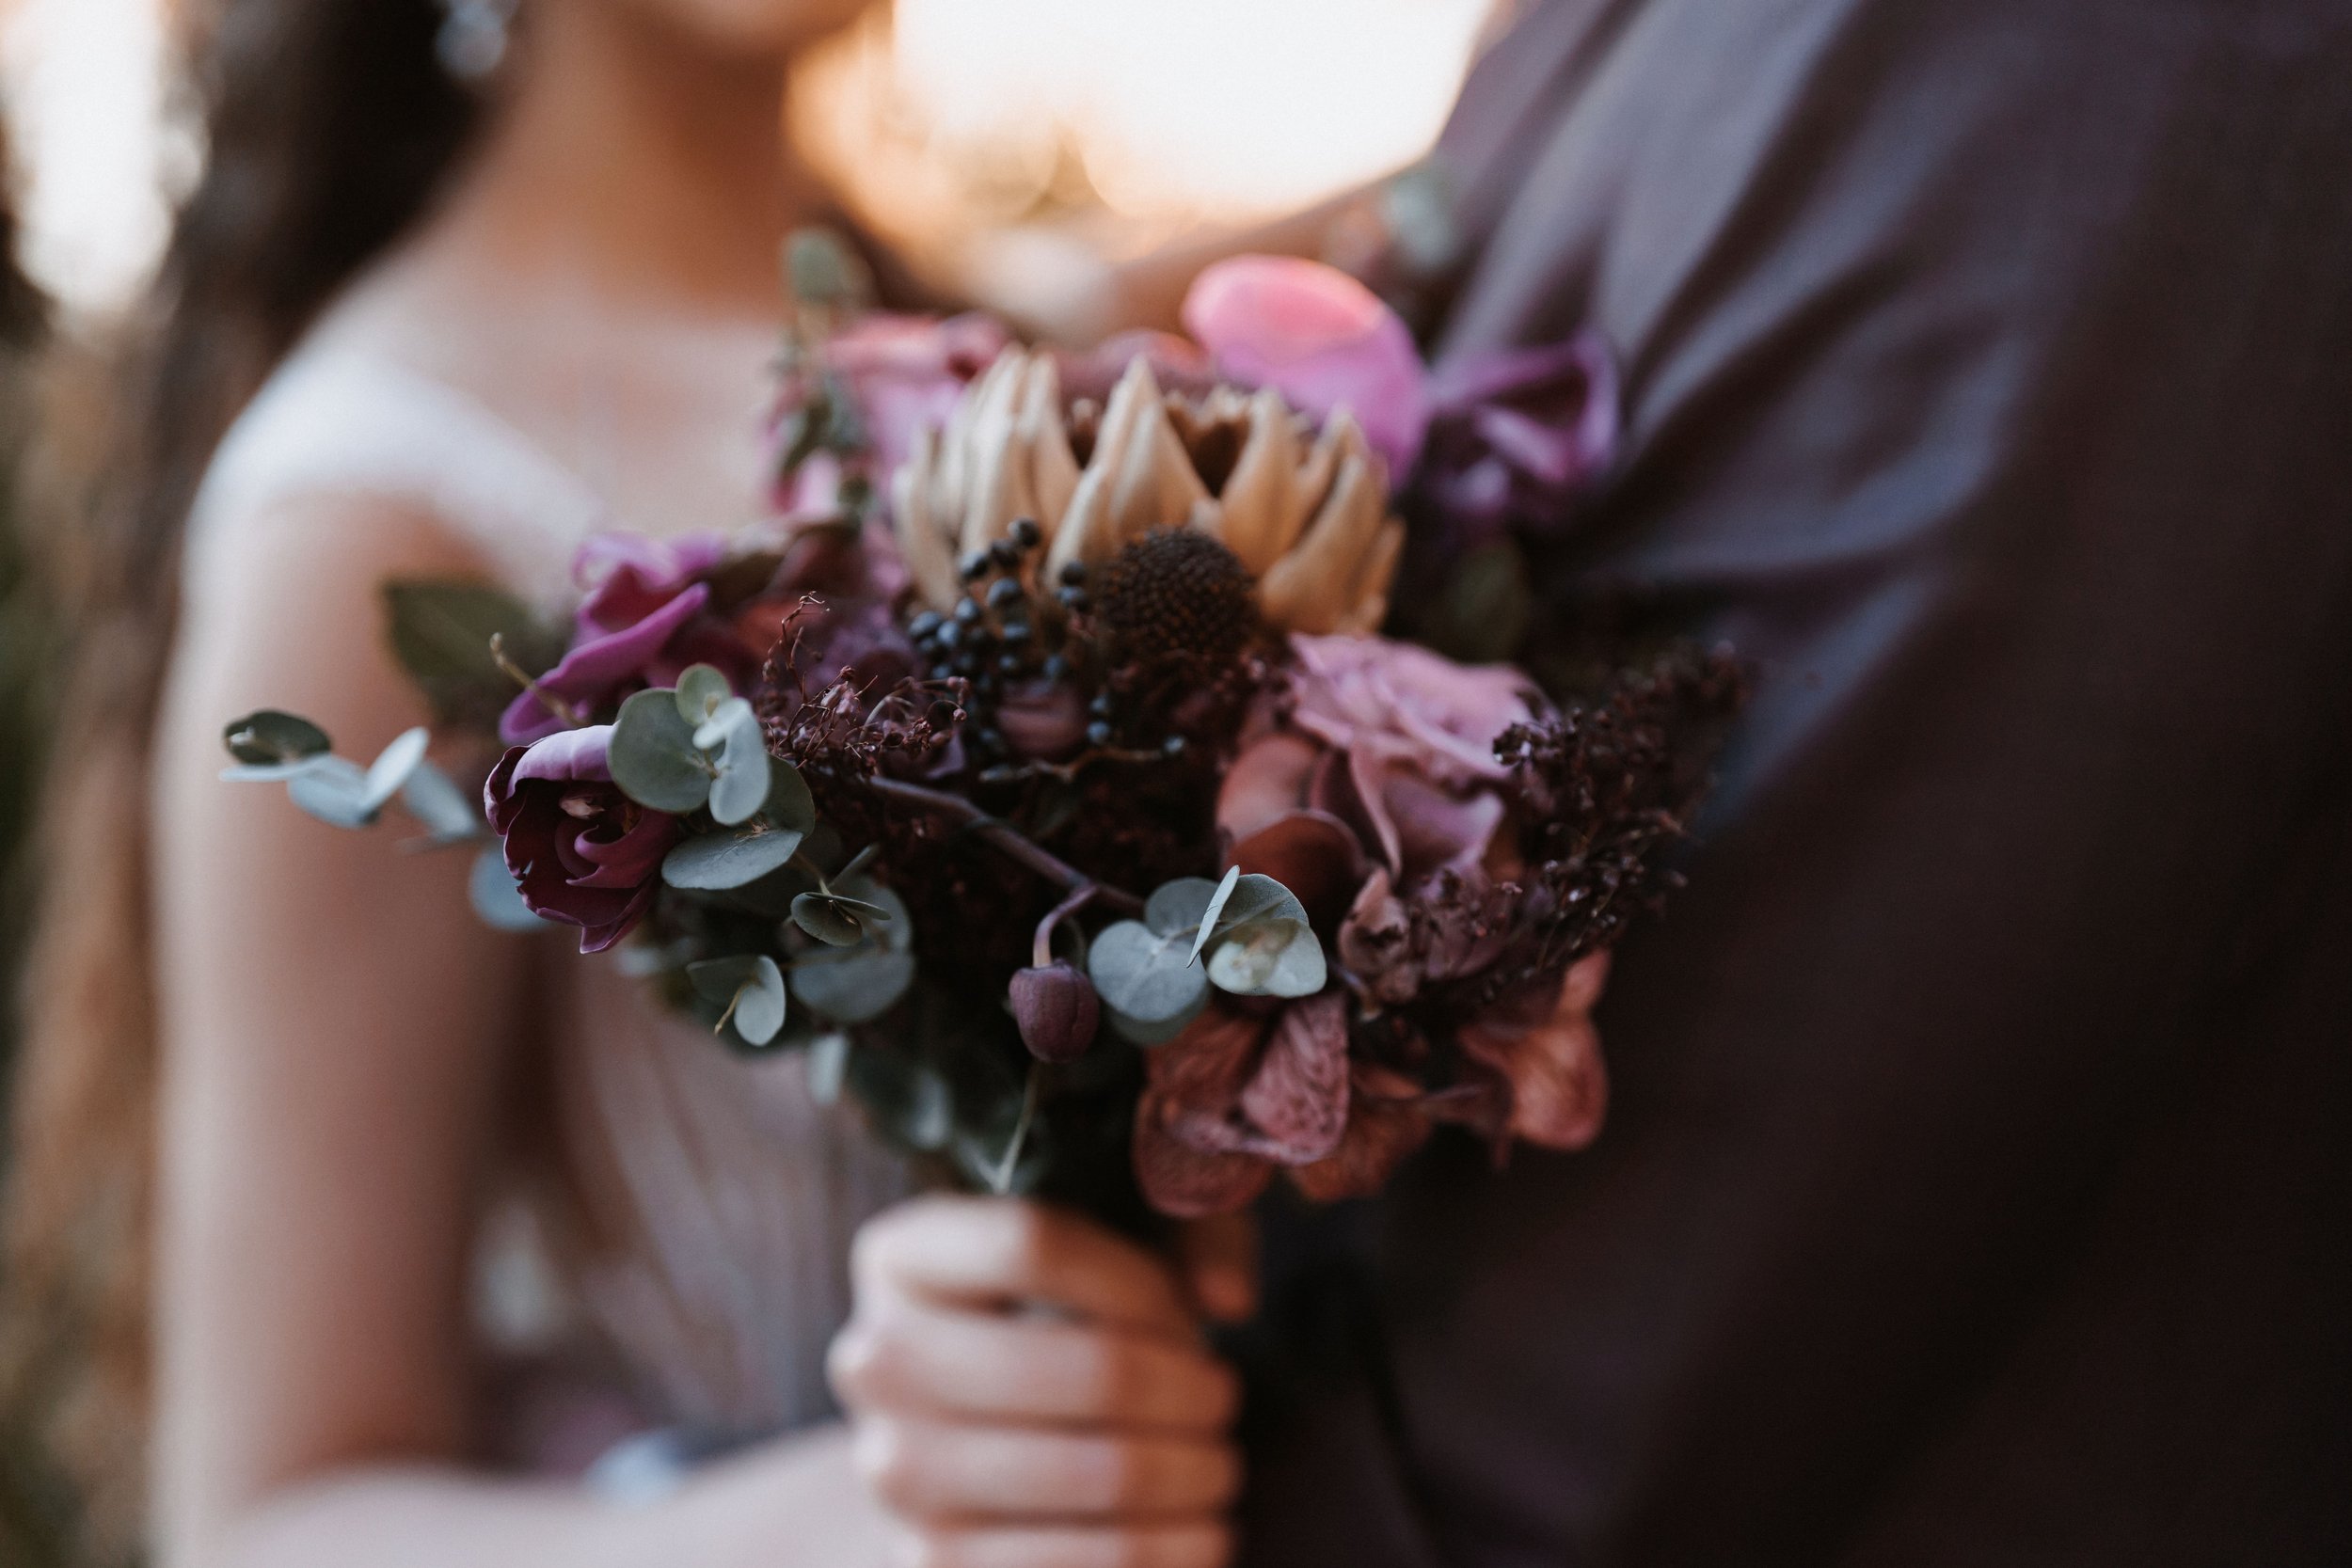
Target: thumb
[1217,1259]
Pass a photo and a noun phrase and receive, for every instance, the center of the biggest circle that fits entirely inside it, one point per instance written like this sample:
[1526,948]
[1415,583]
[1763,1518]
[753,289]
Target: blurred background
[1014,150]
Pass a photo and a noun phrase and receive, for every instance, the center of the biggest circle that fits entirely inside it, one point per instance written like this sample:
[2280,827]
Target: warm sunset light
[952,117]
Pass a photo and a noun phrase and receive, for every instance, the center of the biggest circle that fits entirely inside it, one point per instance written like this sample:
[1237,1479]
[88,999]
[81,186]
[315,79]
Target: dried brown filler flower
[1177,591]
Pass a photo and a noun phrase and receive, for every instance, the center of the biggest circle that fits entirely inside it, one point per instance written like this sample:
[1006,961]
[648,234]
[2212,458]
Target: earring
[473,37]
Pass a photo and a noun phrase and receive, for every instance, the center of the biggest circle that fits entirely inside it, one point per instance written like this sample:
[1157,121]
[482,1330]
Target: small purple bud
[1057,1011]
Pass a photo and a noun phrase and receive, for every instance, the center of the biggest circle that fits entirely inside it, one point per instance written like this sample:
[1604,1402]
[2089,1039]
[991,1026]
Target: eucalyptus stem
[1042,948]
[1007,838]
[1001,1181]
[548,700]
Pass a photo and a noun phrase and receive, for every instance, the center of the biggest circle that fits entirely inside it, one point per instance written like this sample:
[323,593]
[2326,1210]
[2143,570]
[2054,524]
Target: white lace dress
[696,1262]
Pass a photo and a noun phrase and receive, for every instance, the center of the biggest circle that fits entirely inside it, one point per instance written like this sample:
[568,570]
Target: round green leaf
[828,1062]
[394,765]
[751,987]
[1180,906]
[495,898]
[701,691]
[725,717]
[653,755]
[851,984]
[334,790]
[789,803]
[270,772]
[835,919]
[1214,909]
[447,812]
[822,268]
[1270,958]
[857,985]
[266,738]
[1145,977]
[1255,898]
[712,862]
[742,788]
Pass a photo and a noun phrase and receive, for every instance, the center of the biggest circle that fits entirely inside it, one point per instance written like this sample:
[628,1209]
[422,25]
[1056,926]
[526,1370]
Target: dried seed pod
[1057,1009]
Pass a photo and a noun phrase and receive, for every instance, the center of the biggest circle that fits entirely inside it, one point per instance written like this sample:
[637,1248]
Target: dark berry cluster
[994,638]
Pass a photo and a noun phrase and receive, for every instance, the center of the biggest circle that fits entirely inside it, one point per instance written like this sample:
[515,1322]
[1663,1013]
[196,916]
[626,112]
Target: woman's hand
[1030,1390]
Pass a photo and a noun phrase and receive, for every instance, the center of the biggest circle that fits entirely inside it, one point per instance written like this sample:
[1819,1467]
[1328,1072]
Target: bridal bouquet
[1042,773]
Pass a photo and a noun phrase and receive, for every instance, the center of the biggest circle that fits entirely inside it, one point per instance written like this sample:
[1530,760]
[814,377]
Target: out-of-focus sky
[1129,120]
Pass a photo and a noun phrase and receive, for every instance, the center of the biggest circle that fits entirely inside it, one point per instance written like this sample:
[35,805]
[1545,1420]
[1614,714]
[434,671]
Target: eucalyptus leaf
[726,719]
[653,755]
[447,812]
[1178,907]
[271,738]
[1216,907]
[743,784]
[334,790]
[822,268]
[1144,977]
[1270,958]
[857,985]
[751,986]
[851,984]
[393,765]
[270,772]
[701,691]
[1138,1032]
[495,898]
[441,633]
[713,863]
[835,918]
[828,1063]
[789,803]
[1255,898]
[929,1116]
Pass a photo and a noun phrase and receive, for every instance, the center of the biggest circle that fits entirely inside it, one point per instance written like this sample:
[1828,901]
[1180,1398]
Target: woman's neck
[636,164]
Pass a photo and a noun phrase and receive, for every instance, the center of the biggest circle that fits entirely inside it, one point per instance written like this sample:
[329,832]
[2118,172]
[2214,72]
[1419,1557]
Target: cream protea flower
[1305,511]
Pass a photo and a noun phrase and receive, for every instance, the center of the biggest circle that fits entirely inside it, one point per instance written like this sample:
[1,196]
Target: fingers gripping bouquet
[1074,819]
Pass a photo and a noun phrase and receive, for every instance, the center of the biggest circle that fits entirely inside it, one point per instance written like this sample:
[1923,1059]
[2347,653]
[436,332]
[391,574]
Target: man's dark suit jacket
[1977,1188]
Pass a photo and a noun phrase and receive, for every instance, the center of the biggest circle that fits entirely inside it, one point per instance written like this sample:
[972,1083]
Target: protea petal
[1309,589]
[997,485]
[1052,467]
[922,545]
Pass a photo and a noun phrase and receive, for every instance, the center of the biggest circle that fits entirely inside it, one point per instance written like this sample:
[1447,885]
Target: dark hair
[328,125]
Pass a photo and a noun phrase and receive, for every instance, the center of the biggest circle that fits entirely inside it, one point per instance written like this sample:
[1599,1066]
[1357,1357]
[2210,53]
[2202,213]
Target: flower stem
[1000,1181]
[1041,949]
[1006,837]
[548,700]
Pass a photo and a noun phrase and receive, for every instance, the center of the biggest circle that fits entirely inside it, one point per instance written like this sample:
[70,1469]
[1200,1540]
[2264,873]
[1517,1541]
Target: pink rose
[1386,747]
[1322,339]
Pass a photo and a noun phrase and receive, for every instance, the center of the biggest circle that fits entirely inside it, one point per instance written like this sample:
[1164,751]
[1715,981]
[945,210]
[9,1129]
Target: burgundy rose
[579,850]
